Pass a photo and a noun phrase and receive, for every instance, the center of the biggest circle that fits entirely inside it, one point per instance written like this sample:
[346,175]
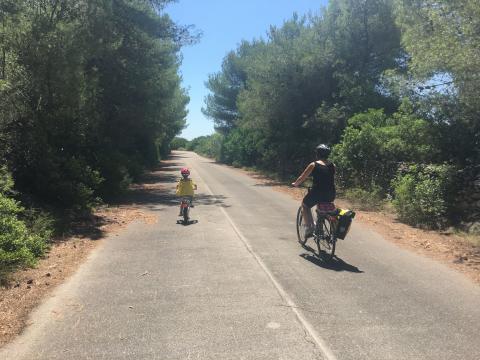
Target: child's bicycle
[324,232]
[185,205]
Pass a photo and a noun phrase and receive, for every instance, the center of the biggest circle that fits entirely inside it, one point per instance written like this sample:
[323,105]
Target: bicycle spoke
[326,240]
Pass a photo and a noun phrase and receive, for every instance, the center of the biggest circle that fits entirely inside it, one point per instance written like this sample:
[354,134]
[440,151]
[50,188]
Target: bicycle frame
[185,209]
[185,203]
[324,233]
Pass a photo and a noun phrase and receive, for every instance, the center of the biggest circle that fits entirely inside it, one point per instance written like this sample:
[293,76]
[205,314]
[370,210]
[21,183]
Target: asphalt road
[237,285]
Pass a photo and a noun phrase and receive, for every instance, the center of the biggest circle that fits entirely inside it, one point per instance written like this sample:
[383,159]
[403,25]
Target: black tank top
[323,182]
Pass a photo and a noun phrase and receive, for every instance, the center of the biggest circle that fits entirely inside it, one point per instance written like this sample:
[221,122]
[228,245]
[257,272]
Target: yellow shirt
[185,187]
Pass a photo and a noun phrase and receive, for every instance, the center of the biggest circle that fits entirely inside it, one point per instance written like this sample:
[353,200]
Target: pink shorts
[324,207]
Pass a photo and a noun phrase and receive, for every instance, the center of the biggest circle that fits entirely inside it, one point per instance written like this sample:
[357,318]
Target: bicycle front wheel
[301,227]
[185,215]
[326,239]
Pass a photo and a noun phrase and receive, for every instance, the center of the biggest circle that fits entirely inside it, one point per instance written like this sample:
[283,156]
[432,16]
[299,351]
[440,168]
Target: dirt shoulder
[448,248]
[29,287]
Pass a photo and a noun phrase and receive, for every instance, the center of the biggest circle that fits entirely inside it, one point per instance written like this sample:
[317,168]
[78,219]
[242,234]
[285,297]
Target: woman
[323,189]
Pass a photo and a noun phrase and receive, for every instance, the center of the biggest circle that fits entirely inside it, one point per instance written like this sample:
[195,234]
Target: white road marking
[326,351]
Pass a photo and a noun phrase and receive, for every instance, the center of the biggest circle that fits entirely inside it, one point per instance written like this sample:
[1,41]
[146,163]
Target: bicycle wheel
[185,215]
[301,227]
[326,239]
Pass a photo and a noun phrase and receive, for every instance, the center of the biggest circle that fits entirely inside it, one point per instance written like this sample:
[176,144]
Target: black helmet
[323,151]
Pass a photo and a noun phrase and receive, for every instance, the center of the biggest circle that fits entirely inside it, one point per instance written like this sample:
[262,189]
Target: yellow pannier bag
[345,218]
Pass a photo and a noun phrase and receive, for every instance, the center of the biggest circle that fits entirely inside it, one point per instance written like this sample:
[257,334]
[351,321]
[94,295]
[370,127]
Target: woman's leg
[307,215]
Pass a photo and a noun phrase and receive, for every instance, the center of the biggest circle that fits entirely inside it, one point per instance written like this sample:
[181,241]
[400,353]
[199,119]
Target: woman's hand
[294,184]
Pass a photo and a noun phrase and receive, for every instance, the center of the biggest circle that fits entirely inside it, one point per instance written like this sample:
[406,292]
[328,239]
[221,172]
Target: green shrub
[421,194]
[365,199]
[23,233]
[209,146]
[178,143]
[241,146]
[19,246]
[374,144]
[69,184]
[6,180]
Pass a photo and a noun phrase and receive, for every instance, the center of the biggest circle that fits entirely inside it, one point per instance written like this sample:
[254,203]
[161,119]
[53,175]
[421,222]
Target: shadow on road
[335,264]
[155,189]
[190,222]
[176,155]
[87,227]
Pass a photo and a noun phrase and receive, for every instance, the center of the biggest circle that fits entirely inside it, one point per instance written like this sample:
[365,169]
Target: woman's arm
[306,173]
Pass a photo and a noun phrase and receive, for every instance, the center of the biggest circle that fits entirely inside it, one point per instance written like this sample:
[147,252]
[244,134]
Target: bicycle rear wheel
[326,239]
[301,227]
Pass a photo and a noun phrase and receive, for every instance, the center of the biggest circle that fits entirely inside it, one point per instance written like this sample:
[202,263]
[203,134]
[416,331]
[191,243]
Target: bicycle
[324,232]
[185,204]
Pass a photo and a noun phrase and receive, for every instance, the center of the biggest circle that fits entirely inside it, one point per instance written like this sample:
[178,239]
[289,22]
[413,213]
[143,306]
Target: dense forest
[392,85]
[90,96]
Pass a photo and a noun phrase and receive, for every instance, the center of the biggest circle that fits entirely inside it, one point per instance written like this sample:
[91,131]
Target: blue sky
[224,24]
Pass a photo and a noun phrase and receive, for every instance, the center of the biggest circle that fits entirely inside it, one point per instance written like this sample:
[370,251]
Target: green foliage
[90,95]
[23,233]
[6,181]
[374,144]
[241,147]
[443,39]
[276,99]
[179,143]
[225,86]
[442,36]
[421,194]
[209,146]
[19,246]
[371,199]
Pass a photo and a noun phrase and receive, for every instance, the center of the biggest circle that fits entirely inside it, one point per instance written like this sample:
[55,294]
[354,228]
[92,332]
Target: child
[186,187]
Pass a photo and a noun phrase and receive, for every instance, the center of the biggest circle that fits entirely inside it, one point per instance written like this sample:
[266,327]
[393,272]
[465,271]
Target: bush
[241,147]
[69,183]
[23,233]
[179,143]
[421,194]
[365,199]
[209,146]
[19,246]
[374,144]
[6,181]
